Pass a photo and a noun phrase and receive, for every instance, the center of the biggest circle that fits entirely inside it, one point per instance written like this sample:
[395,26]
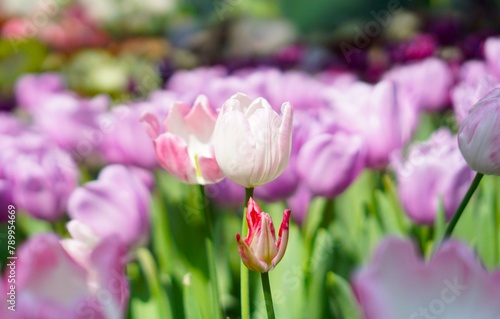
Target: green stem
[244,273]
[463,204]
[266,287]
[150,270]
[210,247]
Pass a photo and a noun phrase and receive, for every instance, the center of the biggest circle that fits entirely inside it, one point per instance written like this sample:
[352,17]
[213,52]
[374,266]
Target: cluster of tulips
[131,209]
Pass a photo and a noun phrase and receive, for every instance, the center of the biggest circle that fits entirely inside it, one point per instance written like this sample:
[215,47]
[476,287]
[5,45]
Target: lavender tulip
[286,184]
[479,135]
[427,82]
[125,141]
[72,122]
[117,203]
[433,171]
[226,192]
[328,163]
[381,127]
[51,284]
[38,175]
[252,143]
[492,55]
[398,283]
[31,90]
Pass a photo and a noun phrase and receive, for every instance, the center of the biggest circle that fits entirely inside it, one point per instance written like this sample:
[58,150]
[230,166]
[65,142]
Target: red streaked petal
[283,238]
[249,258]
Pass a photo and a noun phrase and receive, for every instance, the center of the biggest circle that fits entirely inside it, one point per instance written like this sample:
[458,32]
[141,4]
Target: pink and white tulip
[479,135]
[252,143]
[399,284]
[185,149]
[260,251]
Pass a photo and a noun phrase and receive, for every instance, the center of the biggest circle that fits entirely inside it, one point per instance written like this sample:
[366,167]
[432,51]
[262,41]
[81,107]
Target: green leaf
[341,295]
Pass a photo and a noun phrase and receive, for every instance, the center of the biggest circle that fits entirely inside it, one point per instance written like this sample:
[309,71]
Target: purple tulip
[286,184]
[188,84]
[492,55]
[299,203]
[40,176]
[51,284]
[226,193]
[476,83]
[328,163]
[398,283]
[382,126]
[479,135]
[10,125]
[426,82]
[125,141]
[32,89]
[433,171]
[72,122]
[117,203]
[300,89]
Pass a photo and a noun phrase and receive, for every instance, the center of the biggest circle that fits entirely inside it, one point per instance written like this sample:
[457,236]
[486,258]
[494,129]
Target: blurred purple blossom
[433,170]
[398,283]
[117,203]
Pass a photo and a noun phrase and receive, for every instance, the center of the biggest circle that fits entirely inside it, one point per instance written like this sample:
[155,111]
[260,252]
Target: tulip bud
[259,250]
[252,142]
[479,135]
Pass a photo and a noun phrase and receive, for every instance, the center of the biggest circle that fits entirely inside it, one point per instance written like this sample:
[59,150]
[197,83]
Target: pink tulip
[259,250]
[399,284]
[51,284]
[185,149]
[252,143]
[479,135]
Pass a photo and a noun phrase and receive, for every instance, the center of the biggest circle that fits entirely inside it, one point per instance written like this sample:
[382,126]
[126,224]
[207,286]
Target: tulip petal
[172,153]
[201,120]
[150,123]
[452,285]
[209,169]
[249,258]
[46,272]
[108,209]
[233,136]
[328,163]
[282,238]
[265,124]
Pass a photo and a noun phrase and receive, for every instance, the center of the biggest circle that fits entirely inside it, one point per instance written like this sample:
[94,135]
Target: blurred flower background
[127,129]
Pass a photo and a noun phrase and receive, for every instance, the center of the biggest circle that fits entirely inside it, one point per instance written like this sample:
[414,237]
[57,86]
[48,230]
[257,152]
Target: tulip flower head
[185,149]
[259,250]
[479,135]
[252,143]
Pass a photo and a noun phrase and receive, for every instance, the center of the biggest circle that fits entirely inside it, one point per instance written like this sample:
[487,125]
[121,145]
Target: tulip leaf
[342,297]
[316,297]
[192,306]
